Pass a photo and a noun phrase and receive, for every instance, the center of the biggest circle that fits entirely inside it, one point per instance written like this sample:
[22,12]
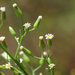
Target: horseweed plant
[21,50]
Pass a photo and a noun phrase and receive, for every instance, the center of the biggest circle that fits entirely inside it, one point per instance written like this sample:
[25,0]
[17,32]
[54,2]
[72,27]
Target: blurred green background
[58,19]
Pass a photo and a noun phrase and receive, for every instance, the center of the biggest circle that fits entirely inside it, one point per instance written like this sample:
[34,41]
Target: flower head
[49,36]
[27,25]
[14,5]
[21,60]
[40,37]
[21,53]
[3,9]
[45,53]
[2,38]
[40,74]
[21,47]
[8,66]
[51,65]
[39,17]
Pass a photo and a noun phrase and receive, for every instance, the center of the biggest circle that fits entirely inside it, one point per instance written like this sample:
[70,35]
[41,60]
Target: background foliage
[58,18]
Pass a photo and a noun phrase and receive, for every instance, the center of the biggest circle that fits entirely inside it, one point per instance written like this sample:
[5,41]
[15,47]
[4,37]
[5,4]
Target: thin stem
[36,57]
[32,29]
[1,24]
[19,65]
[52,72]
[49,51]
[18,48]
[36,69]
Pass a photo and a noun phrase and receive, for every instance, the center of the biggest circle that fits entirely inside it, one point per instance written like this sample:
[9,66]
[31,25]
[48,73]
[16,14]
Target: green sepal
[3,16]
[28,52]
[26,58]
[18,12]
[12,31]
[4,44]
[49,42]
[42,44]
[36,24]
[26,29]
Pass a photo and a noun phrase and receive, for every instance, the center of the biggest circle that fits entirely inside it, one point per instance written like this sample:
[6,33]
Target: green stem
[52,72]
[19,65]
[36,57]
[49,52]
[32,29]
[36,69]
[18,48]
[1,24]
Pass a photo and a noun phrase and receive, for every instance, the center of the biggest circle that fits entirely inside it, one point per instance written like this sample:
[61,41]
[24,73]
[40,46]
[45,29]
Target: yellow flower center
[51,65]
[8,65]
[27,25]
[49,36]
[2,39]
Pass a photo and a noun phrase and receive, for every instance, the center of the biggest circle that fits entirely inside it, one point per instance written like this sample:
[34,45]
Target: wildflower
[2,38]
[8,66]
[21,60]
[51,65]
[45,53]
[3,9]
[27,25]
[14,5]
[21,53]
[40,74]
[39,17]
[6,56]
[49,36]
[21,47]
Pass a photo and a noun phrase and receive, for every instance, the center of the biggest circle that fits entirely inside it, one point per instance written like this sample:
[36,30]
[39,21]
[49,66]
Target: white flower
[40,37]
[2,38]
[2,9]
[14,5]
[6,56]
[39,17]
[21,60]
[21,47]
[40,74]
[45,53]
[21,53]
[27,25]
[8,66]
[49,36]
[51,65]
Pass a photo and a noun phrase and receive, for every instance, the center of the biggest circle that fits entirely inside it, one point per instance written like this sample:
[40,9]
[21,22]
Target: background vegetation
[58,18]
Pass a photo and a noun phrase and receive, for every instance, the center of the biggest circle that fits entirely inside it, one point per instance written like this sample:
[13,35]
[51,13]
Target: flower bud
[12,31]
[26,58]
[49,60]
[42,61]
[6,56]
[45,54]
[2,67]
[3,14]
[40,74]
[28,52]
[48,69]
[17,10]
[41,42]
[36,24]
